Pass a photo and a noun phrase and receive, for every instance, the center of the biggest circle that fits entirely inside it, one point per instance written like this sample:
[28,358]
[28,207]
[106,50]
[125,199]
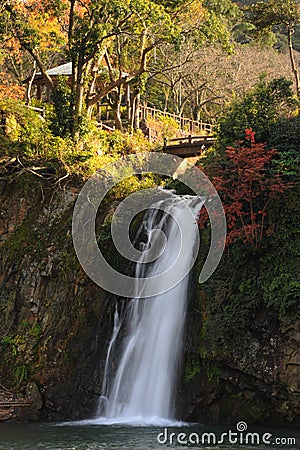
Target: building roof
[64,69]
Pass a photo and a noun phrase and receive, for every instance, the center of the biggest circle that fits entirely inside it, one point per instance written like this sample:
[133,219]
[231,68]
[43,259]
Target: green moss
[191,370]
[21,374]
[25,240]
[213,371]
[279,279]
[19,241]
[202,366]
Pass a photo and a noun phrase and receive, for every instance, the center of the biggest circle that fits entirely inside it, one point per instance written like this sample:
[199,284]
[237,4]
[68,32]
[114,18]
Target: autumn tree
[246,184]
[121,33]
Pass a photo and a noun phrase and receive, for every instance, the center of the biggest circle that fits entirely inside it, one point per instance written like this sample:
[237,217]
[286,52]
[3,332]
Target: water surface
[87,436]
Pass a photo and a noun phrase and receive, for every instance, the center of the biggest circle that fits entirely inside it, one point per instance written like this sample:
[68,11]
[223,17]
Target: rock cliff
[241,358]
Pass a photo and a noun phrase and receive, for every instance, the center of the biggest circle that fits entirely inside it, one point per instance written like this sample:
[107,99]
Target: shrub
[163,127]
[246,185]
[25,131]
[261,109]
[28,135]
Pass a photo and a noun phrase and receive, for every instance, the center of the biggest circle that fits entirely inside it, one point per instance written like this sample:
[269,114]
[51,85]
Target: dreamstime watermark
[89,202]
[240,436]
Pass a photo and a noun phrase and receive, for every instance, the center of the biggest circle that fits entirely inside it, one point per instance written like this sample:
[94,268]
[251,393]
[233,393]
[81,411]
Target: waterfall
[146,342]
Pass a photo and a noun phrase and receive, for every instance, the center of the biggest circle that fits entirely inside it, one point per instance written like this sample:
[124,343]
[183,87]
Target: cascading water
[150,330]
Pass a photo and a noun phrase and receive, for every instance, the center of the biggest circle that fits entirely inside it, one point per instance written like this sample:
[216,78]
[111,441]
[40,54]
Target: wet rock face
[20,407]
[55,322]
[289,373]
[250,374]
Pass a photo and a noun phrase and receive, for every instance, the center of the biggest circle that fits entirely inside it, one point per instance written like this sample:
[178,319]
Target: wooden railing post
[187,125]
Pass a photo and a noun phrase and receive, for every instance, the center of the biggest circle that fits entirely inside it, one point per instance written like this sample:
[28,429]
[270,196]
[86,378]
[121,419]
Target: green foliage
[221,18]
[213,371]
[274,12]
[284,136]
[35,330]
[18,350]
[25,131]
[191,370]
[179,187]
[233,295]
[279,279]
[260,109]
[21,374]
[62,117]
[163,127]
[245,284]
[132,184]
[194,368]
[118,143]
[30,137]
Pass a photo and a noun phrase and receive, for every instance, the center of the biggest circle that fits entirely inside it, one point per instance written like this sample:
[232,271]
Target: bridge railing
[187,125]
[42,111]
[189,140]
[188,146]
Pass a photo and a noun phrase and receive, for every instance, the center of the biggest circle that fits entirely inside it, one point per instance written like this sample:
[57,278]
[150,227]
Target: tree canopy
[120,36]
[167,50]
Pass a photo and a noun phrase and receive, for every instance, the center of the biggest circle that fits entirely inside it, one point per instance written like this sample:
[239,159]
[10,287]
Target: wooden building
[37,83]
[38,88]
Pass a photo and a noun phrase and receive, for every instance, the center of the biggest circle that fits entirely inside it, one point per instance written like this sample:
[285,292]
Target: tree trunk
[89,112]
[116,108]
[293,62]
[128,103]
[136,123]
[29,87]
[71,23]
[79,96]
[118,120]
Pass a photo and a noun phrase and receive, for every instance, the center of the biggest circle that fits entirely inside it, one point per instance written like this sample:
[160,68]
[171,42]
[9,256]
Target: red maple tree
[246,185]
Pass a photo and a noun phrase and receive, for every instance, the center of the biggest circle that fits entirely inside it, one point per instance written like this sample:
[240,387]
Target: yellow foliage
[192,15]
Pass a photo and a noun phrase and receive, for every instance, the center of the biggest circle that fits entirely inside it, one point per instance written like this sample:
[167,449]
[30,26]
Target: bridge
[189,146]
[186,125]
[194,136]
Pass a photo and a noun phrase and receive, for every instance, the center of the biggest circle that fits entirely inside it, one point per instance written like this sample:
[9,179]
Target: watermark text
[240,436]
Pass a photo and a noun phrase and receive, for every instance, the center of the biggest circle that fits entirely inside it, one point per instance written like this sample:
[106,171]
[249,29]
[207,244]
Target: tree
[246,184]
[201,82]
[260,109]
[121,33]
[285,13]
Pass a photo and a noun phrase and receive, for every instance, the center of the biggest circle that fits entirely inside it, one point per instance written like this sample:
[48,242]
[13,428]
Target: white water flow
[146,342]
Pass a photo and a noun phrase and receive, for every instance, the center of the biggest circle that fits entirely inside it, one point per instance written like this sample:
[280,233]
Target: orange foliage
[12,91]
